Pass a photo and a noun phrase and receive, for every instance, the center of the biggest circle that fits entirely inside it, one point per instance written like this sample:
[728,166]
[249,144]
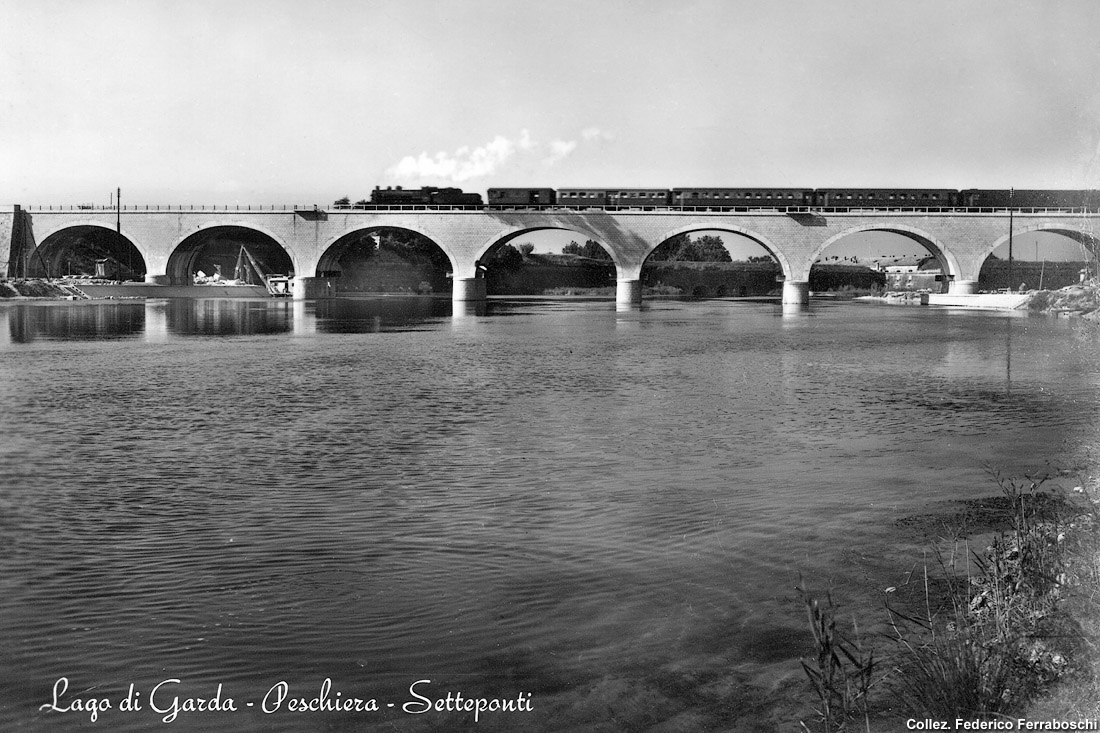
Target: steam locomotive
[754,197]
[426,196]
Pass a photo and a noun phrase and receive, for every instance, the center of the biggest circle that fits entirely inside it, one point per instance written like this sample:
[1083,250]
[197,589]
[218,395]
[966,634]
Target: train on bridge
[736,198]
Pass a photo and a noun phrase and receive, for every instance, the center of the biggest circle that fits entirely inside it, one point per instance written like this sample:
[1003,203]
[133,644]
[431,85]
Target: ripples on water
[608,510]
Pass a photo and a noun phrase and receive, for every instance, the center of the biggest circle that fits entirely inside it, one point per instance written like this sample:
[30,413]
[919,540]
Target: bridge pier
[309,288]
[467,289]
[963,287]
[628,292]
[796,292]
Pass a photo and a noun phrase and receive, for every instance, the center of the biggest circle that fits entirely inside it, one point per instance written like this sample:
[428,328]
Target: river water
[597,516]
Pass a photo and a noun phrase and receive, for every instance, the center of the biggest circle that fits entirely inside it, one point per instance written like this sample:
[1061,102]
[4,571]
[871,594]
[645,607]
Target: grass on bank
[1008,630]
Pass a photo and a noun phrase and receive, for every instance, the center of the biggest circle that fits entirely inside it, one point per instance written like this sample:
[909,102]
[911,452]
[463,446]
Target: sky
[282,102]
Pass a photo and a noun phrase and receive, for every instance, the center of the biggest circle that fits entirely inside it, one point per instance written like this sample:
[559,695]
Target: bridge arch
[506,236]
[432,265]
[325,261]
[1076,233]
[187,251]
[935,247]
[996,268]
[757,237]
[52,247]
[504,273]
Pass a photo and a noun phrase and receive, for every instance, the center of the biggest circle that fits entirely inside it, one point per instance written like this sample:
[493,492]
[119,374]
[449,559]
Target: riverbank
[23,289]
[1000,624]
[1074,300]
[13,290]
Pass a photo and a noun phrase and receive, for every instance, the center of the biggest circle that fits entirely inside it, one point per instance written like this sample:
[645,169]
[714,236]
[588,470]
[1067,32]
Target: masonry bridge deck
[961,239]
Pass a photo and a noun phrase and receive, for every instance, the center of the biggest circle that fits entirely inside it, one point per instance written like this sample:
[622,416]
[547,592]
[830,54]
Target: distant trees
[506,257]
[590,249]
[526,248]
[682,248]
[405,241]
[408,245]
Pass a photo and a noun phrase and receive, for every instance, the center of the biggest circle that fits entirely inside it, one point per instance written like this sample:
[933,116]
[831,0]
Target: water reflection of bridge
[165,243]
[158,320]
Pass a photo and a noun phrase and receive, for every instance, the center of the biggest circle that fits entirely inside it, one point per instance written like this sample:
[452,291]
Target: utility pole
[1010,277]
[118,232]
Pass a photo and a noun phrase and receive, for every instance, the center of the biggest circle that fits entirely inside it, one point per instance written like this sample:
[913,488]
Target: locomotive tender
[740,198]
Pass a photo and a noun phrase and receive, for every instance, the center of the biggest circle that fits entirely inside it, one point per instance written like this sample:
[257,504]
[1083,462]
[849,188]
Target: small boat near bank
[983,301]
[978,301]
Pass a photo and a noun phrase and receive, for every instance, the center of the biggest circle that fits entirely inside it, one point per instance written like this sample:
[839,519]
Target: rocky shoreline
[23,289]
[1074,300]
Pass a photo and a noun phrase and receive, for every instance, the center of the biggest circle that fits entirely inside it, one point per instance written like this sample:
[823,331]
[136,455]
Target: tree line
[680,248]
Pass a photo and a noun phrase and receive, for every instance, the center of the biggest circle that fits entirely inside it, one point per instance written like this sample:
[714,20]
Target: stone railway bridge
[166,237]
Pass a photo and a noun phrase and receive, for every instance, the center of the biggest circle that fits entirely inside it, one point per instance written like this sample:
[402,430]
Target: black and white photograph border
[716,366]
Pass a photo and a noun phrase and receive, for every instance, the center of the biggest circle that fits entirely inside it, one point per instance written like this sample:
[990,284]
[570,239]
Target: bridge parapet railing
[551,208]
[142,208]
[703,209]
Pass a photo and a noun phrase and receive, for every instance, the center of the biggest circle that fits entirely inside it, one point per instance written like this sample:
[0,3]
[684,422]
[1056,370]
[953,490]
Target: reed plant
[842,672]
[946,667]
